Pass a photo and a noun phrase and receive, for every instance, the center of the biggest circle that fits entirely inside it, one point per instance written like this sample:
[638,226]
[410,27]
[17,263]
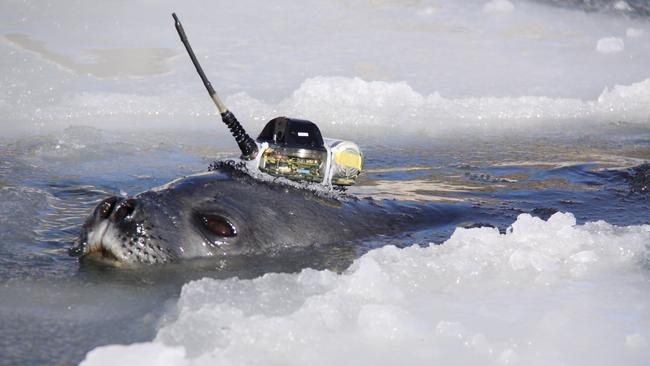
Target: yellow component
[348,159]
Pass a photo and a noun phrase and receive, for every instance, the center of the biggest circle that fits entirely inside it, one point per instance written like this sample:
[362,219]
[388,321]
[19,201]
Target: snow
[382,108]
[140,354]
[498,6]
[622,6]
[542,293]
[463,51]
[610,45]
[634,32]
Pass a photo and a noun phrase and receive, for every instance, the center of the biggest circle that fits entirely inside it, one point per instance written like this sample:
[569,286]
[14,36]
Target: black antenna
[246,144]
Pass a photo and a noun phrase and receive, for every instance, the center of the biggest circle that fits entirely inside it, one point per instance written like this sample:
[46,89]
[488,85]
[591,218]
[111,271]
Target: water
[506,108]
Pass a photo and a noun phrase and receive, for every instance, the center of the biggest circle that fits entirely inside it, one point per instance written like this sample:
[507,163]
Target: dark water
[54,310]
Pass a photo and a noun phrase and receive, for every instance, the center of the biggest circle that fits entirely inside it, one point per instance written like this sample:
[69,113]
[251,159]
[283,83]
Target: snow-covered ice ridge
[343,104]
[544,293]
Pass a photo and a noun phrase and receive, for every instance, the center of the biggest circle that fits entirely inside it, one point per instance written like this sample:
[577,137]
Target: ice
[342,105]
[346,105]
[536,295]
[622,6]
[634,32]
[498,6]
[149,354]
[533,57]
[426,11]
[610,45]
[636,341]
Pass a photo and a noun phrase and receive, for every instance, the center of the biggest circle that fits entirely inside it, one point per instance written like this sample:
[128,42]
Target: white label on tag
[303,134]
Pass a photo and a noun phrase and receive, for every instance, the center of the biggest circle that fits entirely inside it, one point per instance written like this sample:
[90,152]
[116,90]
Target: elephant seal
[228,212]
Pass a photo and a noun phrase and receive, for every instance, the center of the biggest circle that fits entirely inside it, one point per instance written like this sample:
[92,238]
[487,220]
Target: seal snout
[104,209]
[123,209]
[115,209]
[105,233]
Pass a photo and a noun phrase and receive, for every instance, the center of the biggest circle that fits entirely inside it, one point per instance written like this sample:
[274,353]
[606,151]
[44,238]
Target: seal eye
[218,226]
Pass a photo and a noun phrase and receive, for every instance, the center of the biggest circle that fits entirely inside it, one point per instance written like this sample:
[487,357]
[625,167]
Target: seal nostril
[124,209]
[105,208]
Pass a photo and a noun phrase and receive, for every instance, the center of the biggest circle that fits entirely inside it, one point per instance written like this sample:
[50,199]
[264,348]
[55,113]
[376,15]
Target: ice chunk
[636,340]
[507,357]
[498,7]
[429,10]
[622,6]
[349,105]
[634,32]
[137,354]
[610,45]
[462,302]
[389,322]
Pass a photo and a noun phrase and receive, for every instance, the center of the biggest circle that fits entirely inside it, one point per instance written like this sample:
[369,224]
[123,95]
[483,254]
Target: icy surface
[115,66]
[622,6]
[498,6]
[634,33]
[546,292]
[357,105]
[610,45]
